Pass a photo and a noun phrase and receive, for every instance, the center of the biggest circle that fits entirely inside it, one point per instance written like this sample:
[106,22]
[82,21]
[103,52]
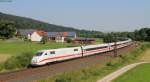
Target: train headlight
[34,60]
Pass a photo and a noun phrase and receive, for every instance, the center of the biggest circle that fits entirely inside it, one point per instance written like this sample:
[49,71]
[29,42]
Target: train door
[109,47]
[82,51]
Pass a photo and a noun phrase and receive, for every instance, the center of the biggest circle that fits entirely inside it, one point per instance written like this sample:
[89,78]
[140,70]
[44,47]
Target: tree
[142,34]
[109,38]
[68,40]
[44,39]
[7,29]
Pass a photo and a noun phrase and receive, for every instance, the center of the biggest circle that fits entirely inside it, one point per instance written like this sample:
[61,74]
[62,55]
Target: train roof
[99,45]
[88,46]
[57,49]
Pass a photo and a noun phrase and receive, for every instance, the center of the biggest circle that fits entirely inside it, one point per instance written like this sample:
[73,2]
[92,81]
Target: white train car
[51,55]
[121,44]
[94,49]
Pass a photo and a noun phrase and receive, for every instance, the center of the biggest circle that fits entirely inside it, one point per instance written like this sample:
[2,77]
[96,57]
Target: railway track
[33,74]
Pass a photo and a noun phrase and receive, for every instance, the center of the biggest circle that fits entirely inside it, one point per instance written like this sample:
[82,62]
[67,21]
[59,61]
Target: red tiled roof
[41,33]
[65,34]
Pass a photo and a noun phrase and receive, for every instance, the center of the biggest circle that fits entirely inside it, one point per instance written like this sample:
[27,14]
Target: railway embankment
[88,69]
[114,75]
[52,70]
[95,72]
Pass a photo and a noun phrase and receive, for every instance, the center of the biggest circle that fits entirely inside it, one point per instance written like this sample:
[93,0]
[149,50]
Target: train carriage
[94,49]
[52,55]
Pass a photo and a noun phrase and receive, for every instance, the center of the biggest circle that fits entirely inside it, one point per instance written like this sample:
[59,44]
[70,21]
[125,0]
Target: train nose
[34,60]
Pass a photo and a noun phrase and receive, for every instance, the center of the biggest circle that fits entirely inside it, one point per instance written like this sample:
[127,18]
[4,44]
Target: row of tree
[142,34]
[8,30]
[138,35]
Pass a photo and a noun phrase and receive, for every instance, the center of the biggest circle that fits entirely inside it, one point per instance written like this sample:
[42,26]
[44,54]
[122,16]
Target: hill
[28,23]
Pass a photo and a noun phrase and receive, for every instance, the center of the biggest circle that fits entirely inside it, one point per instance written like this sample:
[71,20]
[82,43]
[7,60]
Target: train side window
[45,53]
[95,48]
[52,52]
[75,49]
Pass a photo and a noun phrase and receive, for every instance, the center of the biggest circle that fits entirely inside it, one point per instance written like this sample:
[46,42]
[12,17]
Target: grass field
[99,41]
[10,48]
[139,74]
[4,57]
[145,56]
[16,48]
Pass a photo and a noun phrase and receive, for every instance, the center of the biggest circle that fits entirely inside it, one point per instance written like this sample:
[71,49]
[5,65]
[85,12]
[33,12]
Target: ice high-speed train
[52,55]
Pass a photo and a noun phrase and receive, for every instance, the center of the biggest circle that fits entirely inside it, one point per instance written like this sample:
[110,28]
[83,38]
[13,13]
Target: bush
[109,64]
[44,39]
[20,61]
[68,40]
[64,78]
[1,67]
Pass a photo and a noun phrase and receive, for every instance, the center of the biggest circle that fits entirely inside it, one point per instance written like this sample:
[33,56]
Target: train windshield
[39,53]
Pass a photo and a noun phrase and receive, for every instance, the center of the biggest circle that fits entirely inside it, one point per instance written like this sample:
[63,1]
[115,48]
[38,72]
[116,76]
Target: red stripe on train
[95,51]
[62,56]
[58,57]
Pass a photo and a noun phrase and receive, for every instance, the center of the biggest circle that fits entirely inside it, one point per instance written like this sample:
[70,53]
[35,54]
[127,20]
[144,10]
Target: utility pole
[115,46]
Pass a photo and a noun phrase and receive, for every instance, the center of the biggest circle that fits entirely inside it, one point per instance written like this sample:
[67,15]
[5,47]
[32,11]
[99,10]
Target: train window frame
[39,54]
[46,54]
[76,49]
[52,52]
[96,48]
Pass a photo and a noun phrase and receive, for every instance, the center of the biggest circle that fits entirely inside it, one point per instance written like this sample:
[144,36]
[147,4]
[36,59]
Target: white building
[60,36]
[60,39]
[35,37]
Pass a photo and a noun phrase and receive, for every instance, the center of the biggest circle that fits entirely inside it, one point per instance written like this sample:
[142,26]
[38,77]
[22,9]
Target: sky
[99,15]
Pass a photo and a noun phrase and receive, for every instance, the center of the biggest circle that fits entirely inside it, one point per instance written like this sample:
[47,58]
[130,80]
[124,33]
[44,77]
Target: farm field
[10,48]
[145,56]
[16,48]
[99,41]
[4,57]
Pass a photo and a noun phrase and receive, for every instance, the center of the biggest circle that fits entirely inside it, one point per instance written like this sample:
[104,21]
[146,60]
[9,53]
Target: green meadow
[140,73]
[18,47]
[17,54]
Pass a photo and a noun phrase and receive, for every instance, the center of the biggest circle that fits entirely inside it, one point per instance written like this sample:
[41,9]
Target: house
[55,36]
[37,36]
[25,32]
[69,34]
[60,36]
[32,34]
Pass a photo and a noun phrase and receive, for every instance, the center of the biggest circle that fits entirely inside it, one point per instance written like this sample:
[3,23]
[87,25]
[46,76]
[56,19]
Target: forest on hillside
[28,23]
